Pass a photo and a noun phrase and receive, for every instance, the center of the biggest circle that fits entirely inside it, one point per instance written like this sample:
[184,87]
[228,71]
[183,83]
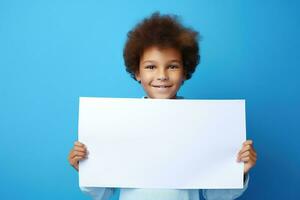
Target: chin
[161,96]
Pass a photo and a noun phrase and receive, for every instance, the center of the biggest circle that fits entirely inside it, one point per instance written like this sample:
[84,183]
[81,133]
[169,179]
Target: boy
[160,53]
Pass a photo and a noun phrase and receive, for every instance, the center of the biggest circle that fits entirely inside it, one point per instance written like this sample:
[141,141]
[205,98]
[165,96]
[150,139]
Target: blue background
[52,52]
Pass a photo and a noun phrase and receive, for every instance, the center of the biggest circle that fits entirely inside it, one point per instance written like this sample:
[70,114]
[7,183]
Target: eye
[150,67]
[173,66]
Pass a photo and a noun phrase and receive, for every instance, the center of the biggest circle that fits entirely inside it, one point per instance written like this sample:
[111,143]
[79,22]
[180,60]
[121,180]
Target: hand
[77,153]
[247,155]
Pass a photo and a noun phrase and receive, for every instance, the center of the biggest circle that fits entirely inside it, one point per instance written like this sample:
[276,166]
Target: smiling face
[161,72]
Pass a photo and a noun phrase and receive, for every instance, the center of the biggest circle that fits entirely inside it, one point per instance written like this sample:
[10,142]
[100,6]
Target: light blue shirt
[98,193]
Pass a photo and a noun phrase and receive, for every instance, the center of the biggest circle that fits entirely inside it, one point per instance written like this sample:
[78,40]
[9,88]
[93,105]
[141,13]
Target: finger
[75,165]
[248,142]
[76,159]
[79,144]
[245,159]
[247,154]
[244,154]
[253,158]
[254,152]
[73,162]
[73,154]
[245,148]
[248,159]
[77,148]
[78,153]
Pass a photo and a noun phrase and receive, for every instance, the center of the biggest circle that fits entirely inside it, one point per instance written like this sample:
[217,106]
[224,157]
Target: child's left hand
[247,155]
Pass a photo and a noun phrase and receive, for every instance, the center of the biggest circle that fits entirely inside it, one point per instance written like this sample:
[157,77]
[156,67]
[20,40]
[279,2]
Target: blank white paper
[161,143]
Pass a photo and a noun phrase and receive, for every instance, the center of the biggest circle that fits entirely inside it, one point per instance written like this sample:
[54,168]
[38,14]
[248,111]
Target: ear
[137,76]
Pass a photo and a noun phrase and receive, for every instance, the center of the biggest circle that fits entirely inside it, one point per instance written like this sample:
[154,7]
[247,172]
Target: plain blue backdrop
[52,52]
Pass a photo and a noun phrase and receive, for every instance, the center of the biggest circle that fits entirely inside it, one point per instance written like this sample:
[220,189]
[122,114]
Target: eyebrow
[153,61]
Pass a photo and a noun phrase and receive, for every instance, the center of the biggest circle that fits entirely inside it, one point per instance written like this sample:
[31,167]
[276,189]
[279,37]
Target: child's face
[161,72]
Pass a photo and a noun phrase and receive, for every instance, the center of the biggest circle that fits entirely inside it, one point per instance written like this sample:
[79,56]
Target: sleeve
[225,194]
[98,193]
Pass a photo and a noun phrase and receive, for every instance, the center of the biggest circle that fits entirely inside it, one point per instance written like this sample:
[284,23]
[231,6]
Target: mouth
[161,86]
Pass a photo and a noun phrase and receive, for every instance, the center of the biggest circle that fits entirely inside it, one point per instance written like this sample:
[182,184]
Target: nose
[162,75]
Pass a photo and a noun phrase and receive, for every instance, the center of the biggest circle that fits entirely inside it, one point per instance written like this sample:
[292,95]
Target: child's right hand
[77,153]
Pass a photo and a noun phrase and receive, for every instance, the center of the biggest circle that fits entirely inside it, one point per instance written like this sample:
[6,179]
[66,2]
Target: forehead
[155,53]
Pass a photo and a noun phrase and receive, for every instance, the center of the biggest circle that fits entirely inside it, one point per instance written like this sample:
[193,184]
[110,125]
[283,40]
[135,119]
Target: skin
[163,67]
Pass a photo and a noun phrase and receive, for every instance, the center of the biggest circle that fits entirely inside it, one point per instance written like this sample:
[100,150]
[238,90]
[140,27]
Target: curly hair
[163,31]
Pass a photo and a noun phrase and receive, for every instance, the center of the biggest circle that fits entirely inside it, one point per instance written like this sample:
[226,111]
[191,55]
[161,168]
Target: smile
[161,86]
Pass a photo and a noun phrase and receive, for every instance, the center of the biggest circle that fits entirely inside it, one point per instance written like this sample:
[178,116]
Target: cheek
[178,78]
[146,77]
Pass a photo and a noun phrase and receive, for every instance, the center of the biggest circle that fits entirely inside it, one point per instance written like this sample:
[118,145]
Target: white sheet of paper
[161,143]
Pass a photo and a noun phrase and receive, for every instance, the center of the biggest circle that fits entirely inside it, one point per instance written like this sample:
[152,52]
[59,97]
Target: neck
[175,97]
